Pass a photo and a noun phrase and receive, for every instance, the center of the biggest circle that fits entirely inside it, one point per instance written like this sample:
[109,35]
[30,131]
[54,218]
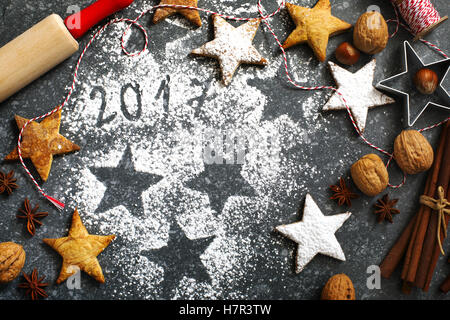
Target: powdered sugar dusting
[161,108]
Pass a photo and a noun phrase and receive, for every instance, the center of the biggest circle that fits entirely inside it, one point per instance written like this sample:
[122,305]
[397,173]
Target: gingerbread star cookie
[358,92]
[80,250]
[191,14]
[41,141]
[232,46]
[314,26]
[315,234]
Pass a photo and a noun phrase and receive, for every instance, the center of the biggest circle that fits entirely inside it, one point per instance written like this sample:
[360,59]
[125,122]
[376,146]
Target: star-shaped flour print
[232,46]
[314,234]
[221,181]
[124,189]
[180,258]
[358,91]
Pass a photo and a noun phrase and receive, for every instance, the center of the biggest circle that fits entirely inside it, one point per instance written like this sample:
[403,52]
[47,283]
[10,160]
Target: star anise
[31,215]
[34,285]
[385,208]
[7,182]
[342,193]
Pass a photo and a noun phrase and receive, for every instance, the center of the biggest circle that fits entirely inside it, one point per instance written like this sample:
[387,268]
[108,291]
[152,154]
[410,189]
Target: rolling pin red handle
[79,23]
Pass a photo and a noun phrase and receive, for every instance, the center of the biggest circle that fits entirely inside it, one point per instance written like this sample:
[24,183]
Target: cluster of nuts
[370,35]
[412,152]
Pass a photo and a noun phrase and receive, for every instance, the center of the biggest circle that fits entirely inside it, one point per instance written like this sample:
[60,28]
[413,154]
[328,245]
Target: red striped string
[58,204]
[418,14]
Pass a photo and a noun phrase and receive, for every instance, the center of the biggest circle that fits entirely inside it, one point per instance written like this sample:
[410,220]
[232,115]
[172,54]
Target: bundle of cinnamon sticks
[418,246]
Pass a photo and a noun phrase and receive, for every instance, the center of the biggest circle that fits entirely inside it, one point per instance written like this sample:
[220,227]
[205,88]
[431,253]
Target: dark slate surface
[364,241]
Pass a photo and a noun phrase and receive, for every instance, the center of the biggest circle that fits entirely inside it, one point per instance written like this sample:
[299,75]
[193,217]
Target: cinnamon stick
[417,240]
[429,255]
[445,286]
[436,253]
[407,238]
[397,252]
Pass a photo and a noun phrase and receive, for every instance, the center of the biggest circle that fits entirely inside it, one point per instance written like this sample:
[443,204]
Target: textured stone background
[364,241]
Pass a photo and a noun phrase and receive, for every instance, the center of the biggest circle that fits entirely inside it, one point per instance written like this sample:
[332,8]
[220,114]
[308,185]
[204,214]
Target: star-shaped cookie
[314,26]
[191,14]
[232,46]
[314,234]
[41,141]
[80,249]
[358,92]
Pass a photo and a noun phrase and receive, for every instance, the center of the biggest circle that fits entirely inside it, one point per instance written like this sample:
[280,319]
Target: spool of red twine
[420,15]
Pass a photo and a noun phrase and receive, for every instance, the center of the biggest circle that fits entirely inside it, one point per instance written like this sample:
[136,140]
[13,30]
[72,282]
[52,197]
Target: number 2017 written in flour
[128,89]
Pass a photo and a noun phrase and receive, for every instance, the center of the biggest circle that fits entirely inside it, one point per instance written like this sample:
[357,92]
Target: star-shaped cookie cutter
[413,64]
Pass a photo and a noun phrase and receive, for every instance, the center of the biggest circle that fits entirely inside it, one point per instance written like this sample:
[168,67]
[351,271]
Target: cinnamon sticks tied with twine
[420,243]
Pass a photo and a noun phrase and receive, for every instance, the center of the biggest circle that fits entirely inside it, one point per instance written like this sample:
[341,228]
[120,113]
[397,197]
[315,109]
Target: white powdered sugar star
[358,92]
[232,46]
[314,234]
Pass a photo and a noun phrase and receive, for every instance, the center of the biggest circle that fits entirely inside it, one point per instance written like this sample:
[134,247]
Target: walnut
[370,34]
[338,287]
[370,175]
[413,152]
[12,259]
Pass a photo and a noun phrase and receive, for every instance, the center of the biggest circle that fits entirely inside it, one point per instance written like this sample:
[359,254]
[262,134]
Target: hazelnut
[12,259]
[412,152]
[347,54]
[370,174]
[426,81]
[370,34]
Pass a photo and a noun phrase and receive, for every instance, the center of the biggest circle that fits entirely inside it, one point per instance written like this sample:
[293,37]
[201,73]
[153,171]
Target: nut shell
[338,287]
[426,81]
[12,259]
[347,54]
[370,175]
[412,152]
[370,34]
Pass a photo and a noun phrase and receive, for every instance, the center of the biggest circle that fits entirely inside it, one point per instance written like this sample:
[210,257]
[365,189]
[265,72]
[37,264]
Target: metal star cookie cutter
[440,98]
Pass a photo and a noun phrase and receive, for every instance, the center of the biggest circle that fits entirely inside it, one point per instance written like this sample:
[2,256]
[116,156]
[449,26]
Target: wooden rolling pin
[47,44]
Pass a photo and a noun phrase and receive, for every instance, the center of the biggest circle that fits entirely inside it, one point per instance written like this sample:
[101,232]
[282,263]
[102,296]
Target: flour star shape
[314,26]
[191,14]
[221,181]
[80,249]
[41,141]
[232,46]
[180,258]
[358,91]
[125,189]
[314,234]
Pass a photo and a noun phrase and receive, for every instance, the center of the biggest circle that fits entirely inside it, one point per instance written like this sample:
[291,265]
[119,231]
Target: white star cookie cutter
[412,65]
[314,234]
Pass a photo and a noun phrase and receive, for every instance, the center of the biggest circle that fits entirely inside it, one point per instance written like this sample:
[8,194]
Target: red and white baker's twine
[263,18]
[418,14]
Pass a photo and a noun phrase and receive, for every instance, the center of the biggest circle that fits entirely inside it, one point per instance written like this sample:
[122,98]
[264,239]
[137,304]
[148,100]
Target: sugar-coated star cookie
[358,92]
[232,46]
[314,234]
